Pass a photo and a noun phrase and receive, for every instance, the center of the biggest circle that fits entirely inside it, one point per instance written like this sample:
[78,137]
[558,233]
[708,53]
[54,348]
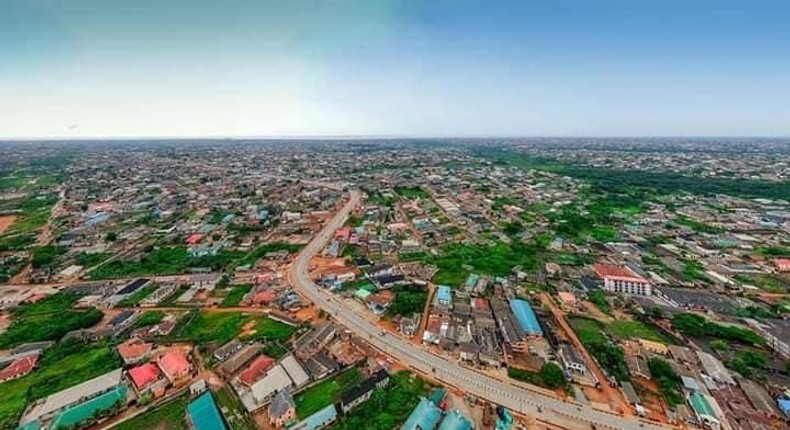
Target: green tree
[552,375]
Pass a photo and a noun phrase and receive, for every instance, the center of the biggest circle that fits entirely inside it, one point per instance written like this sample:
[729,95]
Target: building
[572,360]
[19,368]
[203,414]
[444,296]
[362,392]
[237,360]
[282,408]
[455,420]
[46,408]
[782,264]
[617,279]
[424,417]
[256,370]
[81,414]
[174,364]
[226,351]
[318,420]
[144,376]
[134,351]
[295,371]
[275,380]
[526,317]
[703,410]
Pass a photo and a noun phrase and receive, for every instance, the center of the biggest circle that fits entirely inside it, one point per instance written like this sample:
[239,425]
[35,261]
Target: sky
[260,68]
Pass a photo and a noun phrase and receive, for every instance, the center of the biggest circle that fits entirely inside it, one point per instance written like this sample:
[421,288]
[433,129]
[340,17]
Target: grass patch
[165,261]
[259,252]
[148,319]
[626,329]
[212,327]
[609,356]
[498,260]
[89,260]
[139,295]
[550,376]
[235,295]
[598,298]
[62,366]
[698,326]
[236,416]
[388,407]
[325,393]
[411,192]
[407,302]
[269,330]
[47,319]
[170,416]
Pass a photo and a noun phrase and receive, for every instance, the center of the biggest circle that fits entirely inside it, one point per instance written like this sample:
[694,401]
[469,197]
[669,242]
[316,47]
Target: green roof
[204,414]
[363,294]
[33,425]
[81,412]
[700,405]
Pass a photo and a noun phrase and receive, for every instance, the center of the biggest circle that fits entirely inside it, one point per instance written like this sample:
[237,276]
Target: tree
[552,375]
[112,236]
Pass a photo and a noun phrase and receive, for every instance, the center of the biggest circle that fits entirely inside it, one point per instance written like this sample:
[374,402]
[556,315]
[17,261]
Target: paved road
[535,402]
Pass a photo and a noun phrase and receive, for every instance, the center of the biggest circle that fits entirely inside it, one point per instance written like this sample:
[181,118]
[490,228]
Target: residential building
[203,414]
[617,279]
[282,408]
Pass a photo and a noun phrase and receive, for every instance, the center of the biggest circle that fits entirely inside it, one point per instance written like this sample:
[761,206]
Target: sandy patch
[6,221]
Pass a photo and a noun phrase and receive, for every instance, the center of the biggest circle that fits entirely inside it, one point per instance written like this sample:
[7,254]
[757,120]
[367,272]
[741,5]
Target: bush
[697,326]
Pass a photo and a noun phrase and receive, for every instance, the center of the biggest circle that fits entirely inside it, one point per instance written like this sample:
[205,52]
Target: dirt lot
[6,221]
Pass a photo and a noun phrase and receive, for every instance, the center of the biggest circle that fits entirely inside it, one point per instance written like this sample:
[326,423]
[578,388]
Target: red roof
[343,232]
[616,272]
[19,367]
[194,238]
[174,364]
[256,369]
[133,349]
[480,304]
[264,297]
[145,375]
[782,263]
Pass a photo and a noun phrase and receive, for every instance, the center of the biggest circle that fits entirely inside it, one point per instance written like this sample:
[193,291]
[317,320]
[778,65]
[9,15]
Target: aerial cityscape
[394,215]
[379,284]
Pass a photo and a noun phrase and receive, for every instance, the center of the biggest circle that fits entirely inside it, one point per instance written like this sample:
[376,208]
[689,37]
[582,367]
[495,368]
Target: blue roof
[784,405]
[444,294]
[425,416]
[455,420]
[526,317]
[204,414]
[471,281]
[318,420]
[82,412]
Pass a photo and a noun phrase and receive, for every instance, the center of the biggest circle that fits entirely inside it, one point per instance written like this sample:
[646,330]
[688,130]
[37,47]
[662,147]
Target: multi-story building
[617,279]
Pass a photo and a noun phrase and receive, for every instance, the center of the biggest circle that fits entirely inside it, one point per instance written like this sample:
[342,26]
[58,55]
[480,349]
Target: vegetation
[235,295]
[407,302]
[747,362]
[211,327]
[697,326]
[598,297]
[389,407]
[659,182]
[234,411]
[149,318]
[34,212]
[765,282]
[411,192]
[550,376]
[609,356]
[62,366]
[48,319]
[667,380]
[260,251]
[325,393]
[498,260]
[165,261]
[90,260]
[699,227]
[630,329]
[139,295]
[268,329]
[44,256]
[170,415]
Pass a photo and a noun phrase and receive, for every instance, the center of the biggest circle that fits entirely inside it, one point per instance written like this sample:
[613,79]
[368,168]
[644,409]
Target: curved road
[534,402]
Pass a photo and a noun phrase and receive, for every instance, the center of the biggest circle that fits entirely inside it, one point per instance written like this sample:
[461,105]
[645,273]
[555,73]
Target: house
[174,364]
[83,413]
[617,279]
[282,408]
[703,410]
[572,360]
[318,420]
[144,376]
[19,368]
[226,351]
[276,379]
[54,403]
[362,392]
[134,351]
[203,414]
[526,317]
[315,340]
[239,359]
[424,417]
[256,370]
[444,296]
[782,264]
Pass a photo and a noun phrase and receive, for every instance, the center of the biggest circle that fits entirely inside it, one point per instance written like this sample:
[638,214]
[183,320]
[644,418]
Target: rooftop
[425,416]
[204,414]
[526,317]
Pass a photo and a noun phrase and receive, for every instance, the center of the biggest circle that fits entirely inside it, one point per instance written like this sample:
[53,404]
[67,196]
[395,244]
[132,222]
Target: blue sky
[398,68]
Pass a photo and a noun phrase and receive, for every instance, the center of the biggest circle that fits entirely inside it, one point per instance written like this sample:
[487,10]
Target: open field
[326,392]
[168,416]
[6,221]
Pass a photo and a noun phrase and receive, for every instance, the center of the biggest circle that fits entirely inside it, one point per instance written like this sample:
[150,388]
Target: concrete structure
[203,414]
[617,279]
